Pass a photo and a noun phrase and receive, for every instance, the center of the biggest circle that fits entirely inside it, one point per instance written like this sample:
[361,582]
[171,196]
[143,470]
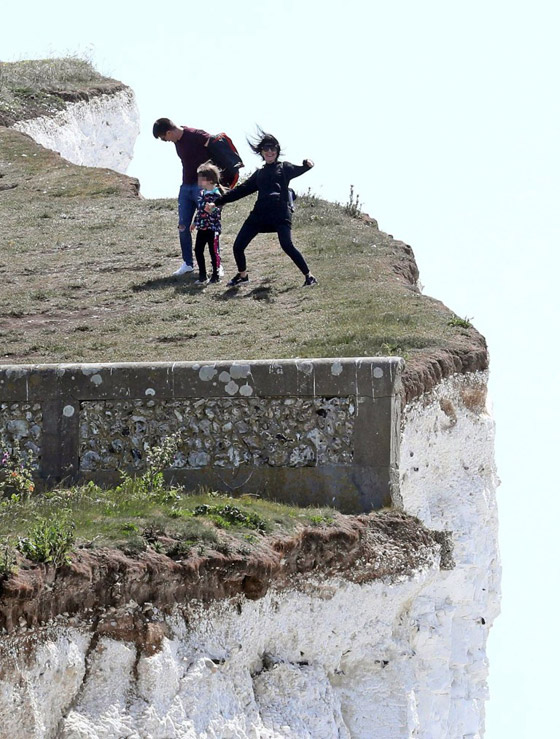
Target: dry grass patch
[36,87]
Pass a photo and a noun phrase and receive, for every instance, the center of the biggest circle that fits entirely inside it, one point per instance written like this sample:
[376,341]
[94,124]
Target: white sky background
[445,116]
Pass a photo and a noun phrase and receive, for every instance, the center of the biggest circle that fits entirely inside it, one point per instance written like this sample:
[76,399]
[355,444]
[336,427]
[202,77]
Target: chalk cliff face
[448,480]
[329,656]
[99,132]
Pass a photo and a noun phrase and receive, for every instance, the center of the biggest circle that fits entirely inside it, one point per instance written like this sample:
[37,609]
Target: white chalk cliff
[99,132]
[397,657]
[401,656]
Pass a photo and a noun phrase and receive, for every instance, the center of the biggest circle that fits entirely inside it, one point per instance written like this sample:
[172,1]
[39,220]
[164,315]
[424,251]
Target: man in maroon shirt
[190,144]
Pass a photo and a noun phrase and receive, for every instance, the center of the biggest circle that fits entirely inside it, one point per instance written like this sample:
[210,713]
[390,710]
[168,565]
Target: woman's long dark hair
[263,139]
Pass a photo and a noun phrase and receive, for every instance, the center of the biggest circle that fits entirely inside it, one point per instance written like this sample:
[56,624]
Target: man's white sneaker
[183,269]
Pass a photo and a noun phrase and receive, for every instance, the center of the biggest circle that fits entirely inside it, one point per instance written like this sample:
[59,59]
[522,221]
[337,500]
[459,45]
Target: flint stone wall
[311,432]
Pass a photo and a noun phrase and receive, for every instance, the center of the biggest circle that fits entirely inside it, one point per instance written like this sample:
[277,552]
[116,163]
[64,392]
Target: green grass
[169,521]
[50,539]
[460,322]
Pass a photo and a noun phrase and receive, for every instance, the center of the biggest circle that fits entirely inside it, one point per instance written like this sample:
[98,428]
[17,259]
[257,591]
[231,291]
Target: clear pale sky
[445,116]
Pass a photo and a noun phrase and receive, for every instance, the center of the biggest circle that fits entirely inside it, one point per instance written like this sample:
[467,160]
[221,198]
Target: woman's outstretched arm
[245,188]
[295,170]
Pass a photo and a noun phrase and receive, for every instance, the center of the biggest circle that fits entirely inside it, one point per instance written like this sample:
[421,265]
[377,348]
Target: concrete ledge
[268,426]
[369,377]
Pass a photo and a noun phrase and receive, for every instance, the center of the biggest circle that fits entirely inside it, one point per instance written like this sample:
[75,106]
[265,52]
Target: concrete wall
[322,431]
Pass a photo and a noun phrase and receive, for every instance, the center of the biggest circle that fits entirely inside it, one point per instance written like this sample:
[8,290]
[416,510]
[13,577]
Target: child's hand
[309,163]
[192,227]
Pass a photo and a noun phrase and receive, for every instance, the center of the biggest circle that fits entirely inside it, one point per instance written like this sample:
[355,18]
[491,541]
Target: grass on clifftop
[37,87]
[135,518]
[85,267]
[86,277]
[143,511]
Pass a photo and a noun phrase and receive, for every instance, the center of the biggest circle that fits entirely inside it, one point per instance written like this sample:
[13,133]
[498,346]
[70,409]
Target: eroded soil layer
[358,548]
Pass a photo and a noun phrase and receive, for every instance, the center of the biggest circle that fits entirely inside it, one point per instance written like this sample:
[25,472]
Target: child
[272,212]
[209,225]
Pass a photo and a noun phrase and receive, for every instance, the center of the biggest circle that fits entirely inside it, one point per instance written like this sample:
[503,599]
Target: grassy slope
[85,271]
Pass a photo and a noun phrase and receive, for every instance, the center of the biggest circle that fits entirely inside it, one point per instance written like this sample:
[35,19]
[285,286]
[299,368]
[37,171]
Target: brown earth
[357,548]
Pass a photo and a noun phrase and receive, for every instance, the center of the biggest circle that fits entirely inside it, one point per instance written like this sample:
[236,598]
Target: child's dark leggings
[212,238]
[247,234]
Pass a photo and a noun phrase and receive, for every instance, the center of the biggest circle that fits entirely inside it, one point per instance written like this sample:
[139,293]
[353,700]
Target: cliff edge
[352,626]
[68,107]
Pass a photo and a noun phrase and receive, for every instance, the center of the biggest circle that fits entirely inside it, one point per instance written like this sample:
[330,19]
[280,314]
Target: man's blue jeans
[188,197]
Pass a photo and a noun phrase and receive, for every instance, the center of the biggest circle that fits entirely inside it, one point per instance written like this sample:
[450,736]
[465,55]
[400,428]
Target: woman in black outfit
[272,211]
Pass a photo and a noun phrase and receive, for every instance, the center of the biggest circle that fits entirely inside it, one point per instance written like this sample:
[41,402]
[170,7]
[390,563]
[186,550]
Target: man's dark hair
[161,126]
[263,139]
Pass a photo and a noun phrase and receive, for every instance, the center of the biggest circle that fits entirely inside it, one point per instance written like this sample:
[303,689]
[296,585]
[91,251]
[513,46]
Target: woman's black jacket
[271,183]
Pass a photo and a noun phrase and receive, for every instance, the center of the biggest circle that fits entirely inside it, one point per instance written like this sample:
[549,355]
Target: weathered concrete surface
[321,431]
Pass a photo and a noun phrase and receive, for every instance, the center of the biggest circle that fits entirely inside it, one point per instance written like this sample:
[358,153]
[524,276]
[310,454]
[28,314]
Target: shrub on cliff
[50,540]
[16,470]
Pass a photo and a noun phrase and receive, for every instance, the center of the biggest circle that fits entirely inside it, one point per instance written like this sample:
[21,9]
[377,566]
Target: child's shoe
[201,283]
[310,281]
[215,278]
[238,280]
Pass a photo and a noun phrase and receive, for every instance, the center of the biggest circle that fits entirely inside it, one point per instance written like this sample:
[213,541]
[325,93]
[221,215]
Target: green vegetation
[45,527]
[455,321]
[353,207]
[16,470]
[226,515]
[50,539]
[158,459]
[142,512]
[7,560]
[42,86]
[324,519]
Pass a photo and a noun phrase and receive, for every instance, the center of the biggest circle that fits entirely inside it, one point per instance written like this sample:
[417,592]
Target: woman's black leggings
[249,231]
